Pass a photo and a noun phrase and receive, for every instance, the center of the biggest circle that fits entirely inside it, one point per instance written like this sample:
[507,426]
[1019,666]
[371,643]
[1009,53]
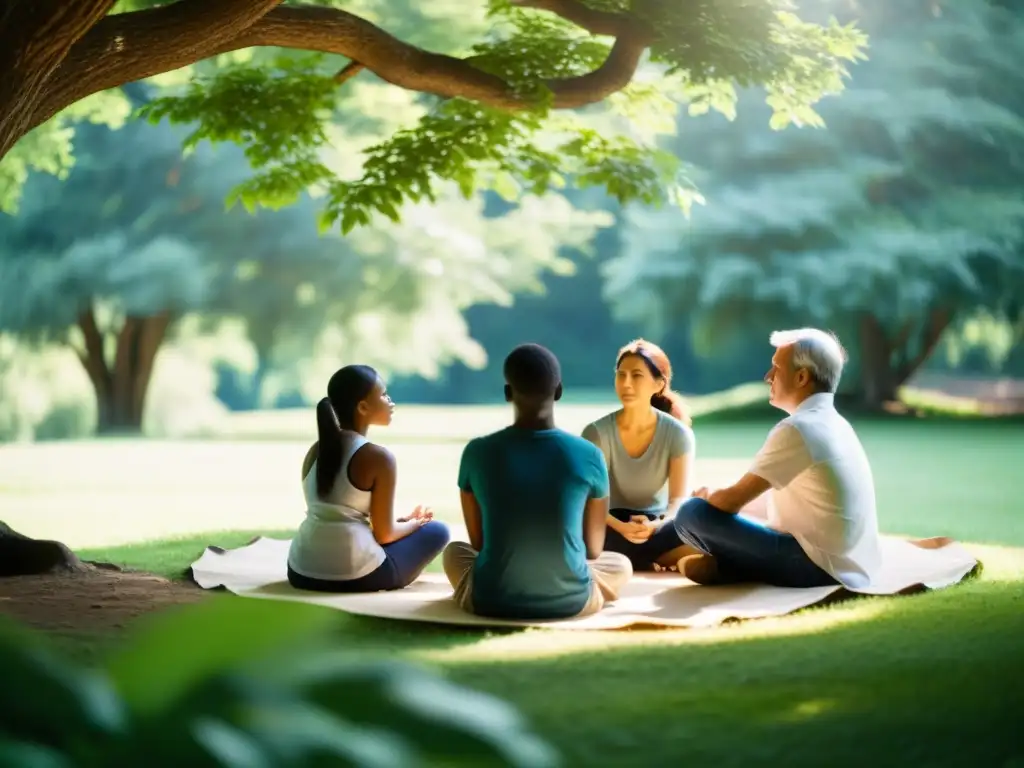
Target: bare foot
[935,542]
[671,558]
[700,569]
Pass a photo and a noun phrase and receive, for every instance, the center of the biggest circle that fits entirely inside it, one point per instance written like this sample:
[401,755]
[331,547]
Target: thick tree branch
[37,35]
[132,46]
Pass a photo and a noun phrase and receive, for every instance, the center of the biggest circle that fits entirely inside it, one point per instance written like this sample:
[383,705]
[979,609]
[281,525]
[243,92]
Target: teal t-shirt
[532,487]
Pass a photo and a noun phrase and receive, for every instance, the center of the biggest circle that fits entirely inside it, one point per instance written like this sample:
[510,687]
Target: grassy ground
[930,680]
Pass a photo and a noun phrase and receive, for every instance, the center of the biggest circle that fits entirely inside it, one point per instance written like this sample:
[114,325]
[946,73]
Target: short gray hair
[818,351]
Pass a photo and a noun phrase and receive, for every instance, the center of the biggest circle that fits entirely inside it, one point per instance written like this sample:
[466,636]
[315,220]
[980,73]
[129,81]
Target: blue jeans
[746,550]
[642,556]
[404,561]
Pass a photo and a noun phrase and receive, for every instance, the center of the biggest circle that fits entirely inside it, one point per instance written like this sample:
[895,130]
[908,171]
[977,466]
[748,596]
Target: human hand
[421,514]
[701,493]
[637,530]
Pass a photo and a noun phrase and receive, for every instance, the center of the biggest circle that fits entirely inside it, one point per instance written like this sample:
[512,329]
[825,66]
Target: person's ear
[362,408]
[508,394]
[803,377]
[558,391]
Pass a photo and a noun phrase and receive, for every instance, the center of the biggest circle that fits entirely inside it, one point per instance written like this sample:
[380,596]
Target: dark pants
[404,561]
[746,550]
[642,556]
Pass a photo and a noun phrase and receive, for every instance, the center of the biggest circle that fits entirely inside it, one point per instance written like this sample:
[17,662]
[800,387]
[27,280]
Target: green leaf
[21,755]
[45,699]
[441,719]
[171,652]
[506,186]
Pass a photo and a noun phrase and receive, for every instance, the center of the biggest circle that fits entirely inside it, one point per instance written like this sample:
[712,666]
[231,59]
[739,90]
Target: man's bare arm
[735,497]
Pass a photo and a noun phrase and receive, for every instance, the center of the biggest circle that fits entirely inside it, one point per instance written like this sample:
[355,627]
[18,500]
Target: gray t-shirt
[641,484]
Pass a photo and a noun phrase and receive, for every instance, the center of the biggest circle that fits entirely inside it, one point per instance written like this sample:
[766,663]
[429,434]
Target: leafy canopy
[280,109]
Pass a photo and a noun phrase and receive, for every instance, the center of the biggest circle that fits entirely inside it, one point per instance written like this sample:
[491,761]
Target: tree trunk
[889,359]
[121,389]
[22,556]
[877,385]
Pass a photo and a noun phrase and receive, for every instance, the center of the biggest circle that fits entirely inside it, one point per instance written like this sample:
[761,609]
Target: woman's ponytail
[328,460]
[671,403]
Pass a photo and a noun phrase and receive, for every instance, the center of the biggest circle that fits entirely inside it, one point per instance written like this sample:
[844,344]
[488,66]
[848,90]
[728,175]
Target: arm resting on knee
[735,497]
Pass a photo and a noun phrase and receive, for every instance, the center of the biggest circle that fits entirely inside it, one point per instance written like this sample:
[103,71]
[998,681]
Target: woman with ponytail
[350,540]
[649,447]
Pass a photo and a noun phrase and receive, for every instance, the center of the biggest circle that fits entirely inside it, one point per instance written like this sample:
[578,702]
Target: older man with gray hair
[821,528]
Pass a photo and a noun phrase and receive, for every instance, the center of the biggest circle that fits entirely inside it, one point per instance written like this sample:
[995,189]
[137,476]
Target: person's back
[534,499]
[532,487]
[334,541]
[830,506]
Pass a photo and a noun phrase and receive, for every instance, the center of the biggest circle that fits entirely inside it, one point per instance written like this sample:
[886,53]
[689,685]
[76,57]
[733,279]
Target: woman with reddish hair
[649,448]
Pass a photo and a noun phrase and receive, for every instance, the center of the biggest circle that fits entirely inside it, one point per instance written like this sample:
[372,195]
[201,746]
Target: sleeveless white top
[335,542]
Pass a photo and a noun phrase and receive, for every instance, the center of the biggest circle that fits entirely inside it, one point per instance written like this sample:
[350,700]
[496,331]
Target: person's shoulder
[601,426]
[375,452]
[578,444]
[483,442]
[672,425]
[788,429]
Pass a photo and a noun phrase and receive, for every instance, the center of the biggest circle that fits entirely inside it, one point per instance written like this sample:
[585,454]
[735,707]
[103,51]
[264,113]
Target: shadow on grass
[932,679]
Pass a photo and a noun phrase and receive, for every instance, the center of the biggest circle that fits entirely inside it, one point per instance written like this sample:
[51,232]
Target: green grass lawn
[928,680]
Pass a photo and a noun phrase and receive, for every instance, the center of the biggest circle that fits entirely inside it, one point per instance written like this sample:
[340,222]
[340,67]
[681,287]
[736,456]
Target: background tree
[903,216]
[137,237]
[495,106]
[105,260]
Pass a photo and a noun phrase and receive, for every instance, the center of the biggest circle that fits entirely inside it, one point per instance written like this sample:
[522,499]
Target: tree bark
[121,389]
[74,49]
[887,360]
[35,37]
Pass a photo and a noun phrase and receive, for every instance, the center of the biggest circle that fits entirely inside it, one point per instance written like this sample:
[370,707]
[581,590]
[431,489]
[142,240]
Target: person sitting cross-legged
[649,449]
[535,499]
[351,540]
[822,527]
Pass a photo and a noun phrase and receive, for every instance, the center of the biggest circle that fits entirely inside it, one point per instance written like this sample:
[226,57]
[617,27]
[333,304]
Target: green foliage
[908,203]
[556,49]
[48,149]
[458,141]
[234,682]
[140,228]
[46,394]
[276,113]
[276,109]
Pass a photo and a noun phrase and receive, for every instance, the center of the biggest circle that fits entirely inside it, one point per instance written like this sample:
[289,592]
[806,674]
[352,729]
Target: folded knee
[455,552]
[614,562]
[693,508]
[437,532]
[695,514]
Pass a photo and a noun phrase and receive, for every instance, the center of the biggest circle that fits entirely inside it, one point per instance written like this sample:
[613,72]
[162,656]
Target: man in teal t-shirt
[535,499]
